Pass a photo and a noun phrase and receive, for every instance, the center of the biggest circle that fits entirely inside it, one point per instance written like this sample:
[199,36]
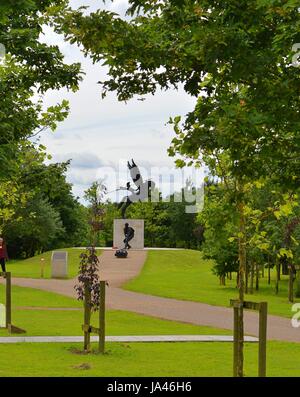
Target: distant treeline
[43,214]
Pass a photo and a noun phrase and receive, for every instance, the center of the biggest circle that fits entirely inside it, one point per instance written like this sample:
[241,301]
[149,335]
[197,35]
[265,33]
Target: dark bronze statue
[129,234]
[140,193]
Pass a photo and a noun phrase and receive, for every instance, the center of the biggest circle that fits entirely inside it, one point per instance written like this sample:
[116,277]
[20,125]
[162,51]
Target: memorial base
[137,242]
[59,264]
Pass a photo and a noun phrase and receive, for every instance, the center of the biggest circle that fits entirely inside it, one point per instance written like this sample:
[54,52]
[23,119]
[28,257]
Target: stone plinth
[138,240]
[59,264]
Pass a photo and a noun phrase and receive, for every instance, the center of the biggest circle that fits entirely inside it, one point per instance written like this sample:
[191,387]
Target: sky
[100,135]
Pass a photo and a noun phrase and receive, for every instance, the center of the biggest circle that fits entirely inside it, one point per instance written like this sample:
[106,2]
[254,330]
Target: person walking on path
[3,254]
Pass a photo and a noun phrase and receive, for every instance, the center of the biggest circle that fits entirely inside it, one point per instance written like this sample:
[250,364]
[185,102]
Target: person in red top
[3,254]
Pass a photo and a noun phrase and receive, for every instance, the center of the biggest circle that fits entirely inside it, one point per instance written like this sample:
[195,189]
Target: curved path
[119,271]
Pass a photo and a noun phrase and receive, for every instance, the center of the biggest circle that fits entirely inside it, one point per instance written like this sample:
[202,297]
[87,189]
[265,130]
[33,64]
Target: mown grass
[31,267]
[179,278]
[186,275]
[32,297]
[45,313]
[68,323]
[143,359]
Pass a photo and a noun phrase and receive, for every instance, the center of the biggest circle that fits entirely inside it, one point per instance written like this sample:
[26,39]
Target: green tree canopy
[235,56]
[30,67]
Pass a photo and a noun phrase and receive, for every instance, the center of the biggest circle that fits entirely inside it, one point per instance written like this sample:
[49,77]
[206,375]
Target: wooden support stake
[238,338]
[102,317]
[262,349]
[235,340]
[8,299]
[240,364]
[262,308]
[12,329]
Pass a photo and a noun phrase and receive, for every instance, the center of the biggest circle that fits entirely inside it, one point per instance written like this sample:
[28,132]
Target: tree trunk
[241,287]
[269,273]
[251,277]
[277,277]
[256,277]
[298,284]
[285,269]
[247,277]
[87,318]
[291,285]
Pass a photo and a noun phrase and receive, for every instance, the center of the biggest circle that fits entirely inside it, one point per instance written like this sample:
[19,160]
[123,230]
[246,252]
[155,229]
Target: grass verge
[31,267]
[143,359]
[186,275]
[68,323]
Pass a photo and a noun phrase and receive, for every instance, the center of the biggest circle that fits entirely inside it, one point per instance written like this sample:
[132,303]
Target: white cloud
[83,160]
[105,131]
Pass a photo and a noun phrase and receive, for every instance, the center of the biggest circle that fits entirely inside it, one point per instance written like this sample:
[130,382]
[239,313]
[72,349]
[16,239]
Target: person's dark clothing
[2,263]
[129,234]
[3,257]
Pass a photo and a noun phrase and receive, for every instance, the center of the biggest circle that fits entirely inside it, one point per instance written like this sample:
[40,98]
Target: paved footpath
[124,339]
[119,271]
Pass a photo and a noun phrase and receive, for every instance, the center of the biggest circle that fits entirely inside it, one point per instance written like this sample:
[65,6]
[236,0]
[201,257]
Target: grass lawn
[130,359]
[186,275]
[143,359]
[68,323]
[32,297]
[31,268]
[41,320]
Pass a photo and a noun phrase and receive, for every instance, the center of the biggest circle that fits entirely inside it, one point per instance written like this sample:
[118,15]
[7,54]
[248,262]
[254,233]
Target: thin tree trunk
[241,286]
[269,272]
[256,277]
[291,285]
[277,277]
[285,268]
[87,318]
[251,277]
[298,284]
[246,277]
